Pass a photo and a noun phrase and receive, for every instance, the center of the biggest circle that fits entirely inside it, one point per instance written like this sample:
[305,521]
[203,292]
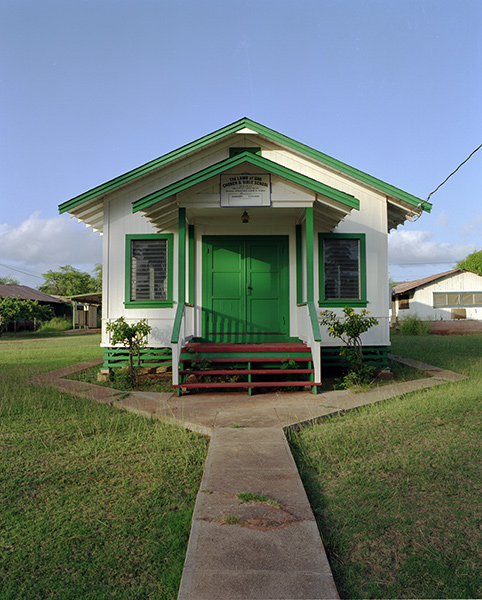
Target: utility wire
[453,173]
[20,271]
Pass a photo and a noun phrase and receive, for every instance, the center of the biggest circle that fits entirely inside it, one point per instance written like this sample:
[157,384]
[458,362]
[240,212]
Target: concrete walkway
[249,550]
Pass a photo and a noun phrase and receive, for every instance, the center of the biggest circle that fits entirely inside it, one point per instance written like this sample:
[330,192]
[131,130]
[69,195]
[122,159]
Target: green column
[191,264]
[181,296]
[310,286]
[299,265]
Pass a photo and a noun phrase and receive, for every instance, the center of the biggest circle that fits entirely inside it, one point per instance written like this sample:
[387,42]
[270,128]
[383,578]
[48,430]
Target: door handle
[249,287]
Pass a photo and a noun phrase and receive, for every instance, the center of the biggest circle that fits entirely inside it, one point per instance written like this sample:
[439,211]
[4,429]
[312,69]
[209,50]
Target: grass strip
[95,502]
[396,486]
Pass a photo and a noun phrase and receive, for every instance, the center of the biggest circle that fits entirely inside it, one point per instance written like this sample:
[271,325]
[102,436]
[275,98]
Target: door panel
[245,289]
[264,306]
[226,287]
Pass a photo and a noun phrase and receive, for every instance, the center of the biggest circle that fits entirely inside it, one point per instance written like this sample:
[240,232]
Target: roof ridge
[408,285]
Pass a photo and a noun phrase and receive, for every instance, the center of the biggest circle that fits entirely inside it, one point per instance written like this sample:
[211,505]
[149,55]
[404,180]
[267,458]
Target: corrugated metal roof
[25,293]
[410,285]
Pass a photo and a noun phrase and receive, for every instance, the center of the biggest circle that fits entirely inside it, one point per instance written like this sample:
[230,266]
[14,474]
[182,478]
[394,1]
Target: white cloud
[37,245]
[420,248]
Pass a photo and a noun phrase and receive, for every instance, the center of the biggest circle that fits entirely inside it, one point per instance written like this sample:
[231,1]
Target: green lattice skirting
[150,357]
[376,356]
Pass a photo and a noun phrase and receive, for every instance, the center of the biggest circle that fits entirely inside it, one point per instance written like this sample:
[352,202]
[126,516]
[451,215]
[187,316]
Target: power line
[20,271]
[453,172]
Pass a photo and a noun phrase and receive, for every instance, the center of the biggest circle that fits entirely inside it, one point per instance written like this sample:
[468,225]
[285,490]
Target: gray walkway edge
[239,550]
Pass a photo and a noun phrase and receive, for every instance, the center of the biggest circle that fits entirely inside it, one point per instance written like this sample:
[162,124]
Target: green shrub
[56,324]
[413,325]
[349,331]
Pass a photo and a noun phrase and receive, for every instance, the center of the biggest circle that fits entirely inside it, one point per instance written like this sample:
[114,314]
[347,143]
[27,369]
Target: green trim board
[231,129]
[168,302]
[253,159]
[356,302]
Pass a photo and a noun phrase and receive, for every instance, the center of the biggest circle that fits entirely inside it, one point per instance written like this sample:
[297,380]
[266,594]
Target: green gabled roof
[233,128]
[253,159]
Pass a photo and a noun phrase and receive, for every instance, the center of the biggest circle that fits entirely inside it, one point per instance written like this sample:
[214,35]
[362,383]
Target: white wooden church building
[231,245]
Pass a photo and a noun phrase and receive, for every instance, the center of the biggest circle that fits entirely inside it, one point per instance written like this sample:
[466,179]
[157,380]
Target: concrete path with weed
[253,532]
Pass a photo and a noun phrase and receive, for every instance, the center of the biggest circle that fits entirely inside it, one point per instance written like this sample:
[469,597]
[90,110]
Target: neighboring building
[244,236]
[87,310]
[23,292]
[455,294]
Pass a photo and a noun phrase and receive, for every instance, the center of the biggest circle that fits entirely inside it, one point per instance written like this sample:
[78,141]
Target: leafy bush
[413,325]
[133,337]
[349,331]
[358,378]
[13,309]
[56,324]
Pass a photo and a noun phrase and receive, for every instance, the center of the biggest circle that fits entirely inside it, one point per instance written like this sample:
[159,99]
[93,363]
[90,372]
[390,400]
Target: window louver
[148,270]
[341,268]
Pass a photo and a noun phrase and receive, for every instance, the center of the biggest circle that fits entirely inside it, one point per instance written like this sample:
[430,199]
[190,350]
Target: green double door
[245,289]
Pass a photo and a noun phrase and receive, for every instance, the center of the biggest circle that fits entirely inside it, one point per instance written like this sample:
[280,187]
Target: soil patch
[461,327]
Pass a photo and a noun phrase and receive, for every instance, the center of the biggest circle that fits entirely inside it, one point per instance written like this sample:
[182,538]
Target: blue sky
[90,89]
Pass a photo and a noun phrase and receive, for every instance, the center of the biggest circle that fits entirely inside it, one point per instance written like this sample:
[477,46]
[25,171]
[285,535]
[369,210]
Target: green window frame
[337,278]
[159,261]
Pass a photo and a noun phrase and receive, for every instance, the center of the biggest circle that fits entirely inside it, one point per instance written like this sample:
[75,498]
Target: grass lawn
[397,487]
[94,502]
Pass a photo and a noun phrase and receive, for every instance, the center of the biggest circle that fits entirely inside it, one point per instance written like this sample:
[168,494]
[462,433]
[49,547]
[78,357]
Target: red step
[231,347]
[271,354]
[246,371]
[246,384]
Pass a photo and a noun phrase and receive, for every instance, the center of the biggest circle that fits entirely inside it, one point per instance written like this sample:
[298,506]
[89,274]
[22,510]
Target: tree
[133,337]
[14,309]
[472,262]
[349,331]
[97,278]
[9,280]
[69,281]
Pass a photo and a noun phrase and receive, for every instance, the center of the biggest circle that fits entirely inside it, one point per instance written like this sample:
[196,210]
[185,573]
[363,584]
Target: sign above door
[246,190]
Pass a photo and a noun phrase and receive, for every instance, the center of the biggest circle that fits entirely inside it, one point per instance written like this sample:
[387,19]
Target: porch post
[177,335]
[299,265]
[181,284]
[315,341]
[310,286]
[191,265]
